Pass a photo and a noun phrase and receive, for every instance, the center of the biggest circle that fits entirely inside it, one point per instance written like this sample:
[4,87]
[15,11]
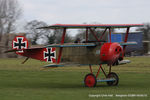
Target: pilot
[77,40]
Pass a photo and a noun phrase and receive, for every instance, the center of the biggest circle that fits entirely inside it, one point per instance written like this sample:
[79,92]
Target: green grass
[29,82]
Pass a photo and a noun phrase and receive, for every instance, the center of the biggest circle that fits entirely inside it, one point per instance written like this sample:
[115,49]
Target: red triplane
[88,53]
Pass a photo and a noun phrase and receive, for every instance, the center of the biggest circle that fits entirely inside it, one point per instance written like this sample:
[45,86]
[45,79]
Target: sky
[86,11]
[89,11]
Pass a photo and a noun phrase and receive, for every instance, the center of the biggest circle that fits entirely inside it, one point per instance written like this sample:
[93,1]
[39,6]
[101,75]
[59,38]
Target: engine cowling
[110,52]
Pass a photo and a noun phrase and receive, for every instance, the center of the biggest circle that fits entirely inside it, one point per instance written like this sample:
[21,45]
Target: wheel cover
[90,81]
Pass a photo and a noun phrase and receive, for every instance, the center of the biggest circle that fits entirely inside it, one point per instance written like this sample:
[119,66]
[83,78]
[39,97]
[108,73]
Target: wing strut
[125,40]
[94,34]
[61,48]
[86,34]
[110,35]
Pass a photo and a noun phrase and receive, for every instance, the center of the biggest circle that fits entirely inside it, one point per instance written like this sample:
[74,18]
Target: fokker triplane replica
[88,53]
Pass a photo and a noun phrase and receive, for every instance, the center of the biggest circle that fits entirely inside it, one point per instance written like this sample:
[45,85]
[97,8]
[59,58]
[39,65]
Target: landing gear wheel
[115,76]
[90,80]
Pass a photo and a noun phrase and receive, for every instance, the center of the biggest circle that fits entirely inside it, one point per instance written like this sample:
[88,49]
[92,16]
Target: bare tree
[55,36]
[49,36]
[34,33]
[9,13]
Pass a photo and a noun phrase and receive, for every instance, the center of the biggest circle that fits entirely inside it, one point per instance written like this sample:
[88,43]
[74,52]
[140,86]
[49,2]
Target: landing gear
[113,76]
[91,80]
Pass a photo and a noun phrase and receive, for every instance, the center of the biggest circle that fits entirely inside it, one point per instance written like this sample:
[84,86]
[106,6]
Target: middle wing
[128,43]
[73,45]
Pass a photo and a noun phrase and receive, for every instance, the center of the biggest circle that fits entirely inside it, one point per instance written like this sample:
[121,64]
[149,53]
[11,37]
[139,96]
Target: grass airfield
[30,82]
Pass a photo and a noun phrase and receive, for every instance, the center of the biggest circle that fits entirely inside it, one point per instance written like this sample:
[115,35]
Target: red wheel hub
[90,80]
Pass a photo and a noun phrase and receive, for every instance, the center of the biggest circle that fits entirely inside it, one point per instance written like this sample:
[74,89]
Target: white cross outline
[21,51]
[50,52]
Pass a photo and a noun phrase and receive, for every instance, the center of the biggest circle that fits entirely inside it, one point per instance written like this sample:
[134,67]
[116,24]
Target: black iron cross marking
[19,44]
[49,54]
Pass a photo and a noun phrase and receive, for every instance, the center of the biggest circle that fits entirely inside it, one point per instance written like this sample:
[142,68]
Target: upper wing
[56,26]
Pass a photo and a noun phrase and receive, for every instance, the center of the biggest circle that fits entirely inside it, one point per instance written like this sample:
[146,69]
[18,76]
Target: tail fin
[20,46]
[20,43]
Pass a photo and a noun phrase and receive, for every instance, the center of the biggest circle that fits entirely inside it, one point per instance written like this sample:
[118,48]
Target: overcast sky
[90,11]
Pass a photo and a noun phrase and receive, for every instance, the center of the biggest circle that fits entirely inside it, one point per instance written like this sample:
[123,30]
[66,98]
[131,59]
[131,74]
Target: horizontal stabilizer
[74,45]
[128,43]
[12,50]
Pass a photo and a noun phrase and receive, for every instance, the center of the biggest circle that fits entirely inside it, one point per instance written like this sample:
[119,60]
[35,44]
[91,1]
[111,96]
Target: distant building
[132,37]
